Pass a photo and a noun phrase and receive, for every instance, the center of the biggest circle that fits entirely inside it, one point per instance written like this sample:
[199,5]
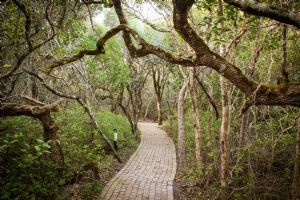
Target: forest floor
[150,172]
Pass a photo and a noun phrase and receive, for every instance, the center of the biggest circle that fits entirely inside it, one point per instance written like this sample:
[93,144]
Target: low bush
[263,168]
[26,174]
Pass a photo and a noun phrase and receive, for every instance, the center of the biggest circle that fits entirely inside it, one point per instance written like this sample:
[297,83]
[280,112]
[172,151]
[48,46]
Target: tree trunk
[34,86]
[296,178]
[33,89]
[196,118]
[147,109]
[181,133]
[113,107]
[244,129]
[97,127]
[159,114]
[251,69]
[224,143]
[211,108]
[50,134]
[128,118]
[135,127]
[42,112]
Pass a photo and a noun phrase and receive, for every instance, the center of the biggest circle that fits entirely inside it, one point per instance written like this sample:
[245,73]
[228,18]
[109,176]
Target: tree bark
[159,114]
[244,128]
[147,109]
[269,10]
[34,86]
[43,113]
[196,117]
[160,76]
[86,108]
[296,178]
[97,127]
[284,73]
[224,143]
[257,94]
[181,126]
[50,134]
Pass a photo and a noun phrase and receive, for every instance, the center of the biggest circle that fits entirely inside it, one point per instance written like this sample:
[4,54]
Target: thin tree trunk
[113,107]
[34,86]
[211,108]
[224,143]
[196,118]
[147,109]
[97,127]
[159,114]
[244,128]
[128,118]
[284,73]
[181,126]
[296,178]
[86,108]
[211,126]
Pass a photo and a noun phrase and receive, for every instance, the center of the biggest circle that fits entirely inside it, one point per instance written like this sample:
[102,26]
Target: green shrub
[25,174]
[261,169]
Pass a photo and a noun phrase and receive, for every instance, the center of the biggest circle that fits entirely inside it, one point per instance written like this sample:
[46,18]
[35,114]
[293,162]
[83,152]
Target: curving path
[150,172]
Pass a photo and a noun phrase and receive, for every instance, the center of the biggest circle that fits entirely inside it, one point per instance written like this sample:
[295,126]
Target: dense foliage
[262,169]
[223,75]
[25,175]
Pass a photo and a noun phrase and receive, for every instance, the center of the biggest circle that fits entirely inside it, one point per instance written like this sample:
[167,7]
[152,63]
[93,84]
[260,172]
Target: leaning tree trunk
[181,133]
[224,143]
[296,178]
[86,108]
[196,118]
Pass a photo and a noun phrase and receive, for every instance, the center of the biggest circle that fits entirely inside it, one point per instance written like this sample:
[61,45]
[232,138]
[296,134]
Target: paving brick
[150,172]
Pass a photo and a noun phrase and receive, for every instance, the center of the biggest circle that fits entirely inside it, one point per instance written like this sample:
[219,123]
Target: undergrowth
[25,174]
[261,170]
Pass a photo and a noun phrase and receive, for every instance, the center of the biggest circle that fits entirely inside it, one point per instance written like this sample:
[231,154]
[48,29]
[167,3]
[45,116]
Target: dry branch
[210,98]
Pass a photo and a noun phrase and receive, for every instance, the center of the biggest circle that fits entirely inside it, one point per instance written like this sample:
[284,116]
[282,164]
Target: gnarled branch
[84,105]
[268,10]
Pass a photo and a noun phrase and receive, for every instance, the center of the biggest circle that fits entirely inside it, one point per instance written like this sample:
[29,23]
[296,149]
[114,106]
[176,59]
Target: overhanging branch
[11,109]
[268,10]
[85,107]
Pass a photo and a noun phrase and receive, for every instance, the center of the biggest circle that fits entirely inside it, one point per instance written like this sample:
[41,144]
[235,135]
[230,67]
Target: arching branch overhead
[271,11]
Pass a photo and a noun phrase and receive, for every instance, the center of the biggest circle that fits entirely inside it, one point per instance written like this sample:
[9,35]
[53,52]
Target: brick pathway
[150,172]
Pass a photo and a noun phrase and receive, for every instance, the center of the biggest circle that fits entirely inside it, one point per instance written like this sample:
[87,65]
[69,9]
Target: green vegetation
[263,168]
[26,175]
[122,61]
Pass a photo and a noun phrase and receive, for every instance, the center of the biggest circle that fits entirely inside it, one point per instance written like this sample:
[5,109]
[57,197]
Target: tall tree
[181,124]
[159,73]
[224,138]
[296,178]
[196,116]
[259,47]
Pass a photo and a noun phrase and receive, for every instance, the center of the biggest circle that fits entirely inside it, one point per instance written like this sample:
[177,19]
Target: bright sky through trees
[148,10]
